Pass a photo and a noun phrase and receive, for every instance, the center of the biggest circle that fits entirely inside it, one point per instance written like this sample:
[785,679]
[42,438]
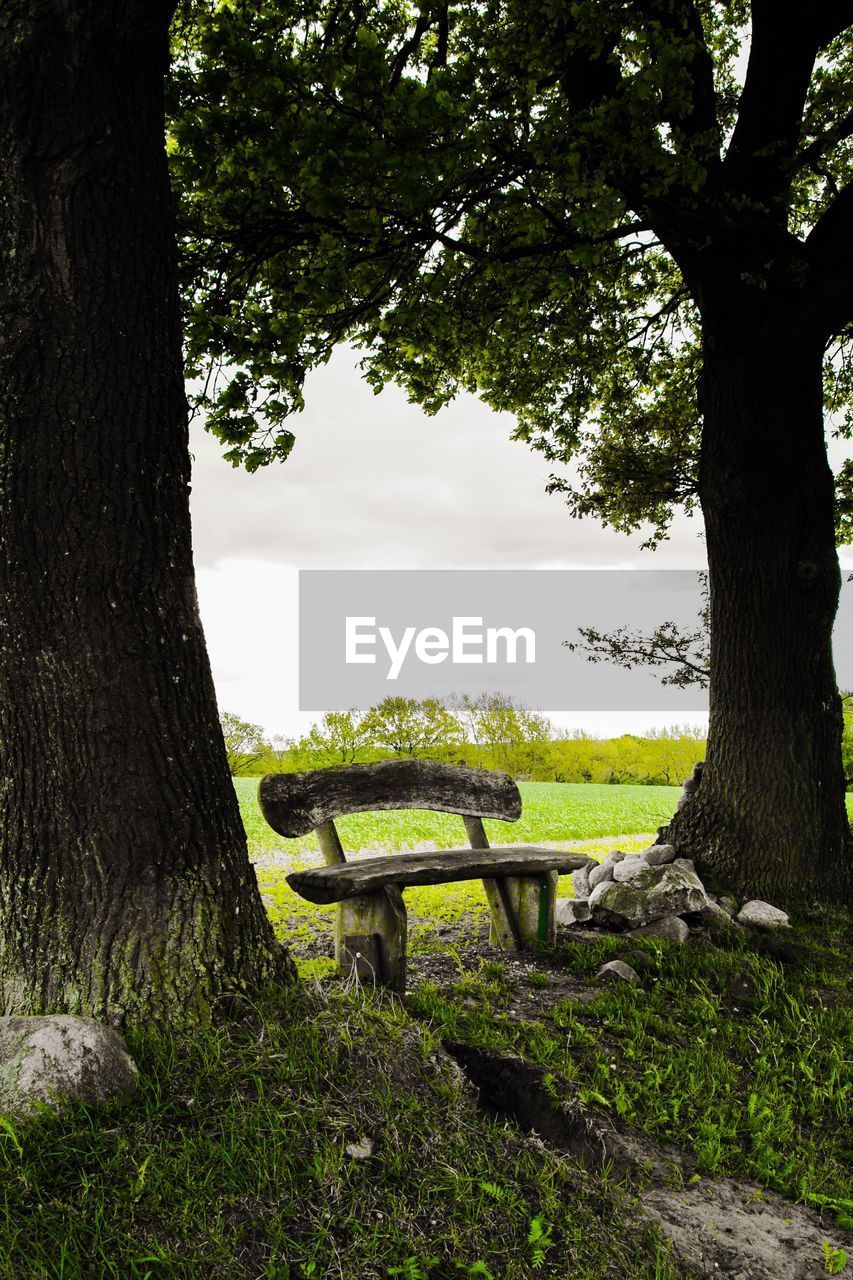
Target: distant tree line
[489,731]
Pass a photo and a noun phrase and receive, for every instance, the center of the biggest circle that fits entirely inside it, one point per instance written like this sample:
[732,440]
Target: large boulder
[761,915]
[60,1058]
[671,890]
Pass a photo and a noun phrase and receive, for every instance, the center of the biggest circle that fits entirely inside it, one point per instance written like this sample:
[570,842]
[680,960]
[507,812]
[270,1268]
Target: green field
[550,811]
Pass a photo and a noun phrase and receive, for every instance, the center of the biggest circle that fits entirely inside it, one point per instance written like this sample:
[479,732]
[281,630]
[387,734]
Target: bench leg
[532,900]
[370,937]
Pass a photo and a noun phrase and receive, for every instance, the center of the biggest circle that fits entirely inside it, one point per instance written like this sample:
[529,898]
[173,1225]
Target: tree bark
[125,887]
[769,817]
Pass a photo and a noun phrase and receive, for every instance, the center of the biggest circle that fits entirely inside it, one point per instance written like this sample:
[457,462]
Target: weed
[834,1260]
[539,1242]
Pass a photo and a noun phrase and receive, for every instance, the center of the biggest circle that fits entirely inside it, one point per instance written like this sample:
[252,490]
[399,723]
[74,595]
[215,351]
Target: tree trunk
[769,818]
[125,888]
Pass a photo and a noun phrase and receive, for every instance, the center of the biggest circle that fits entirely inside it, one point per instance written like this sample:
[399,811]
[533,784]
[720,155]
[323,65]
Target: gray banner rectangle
[365,634]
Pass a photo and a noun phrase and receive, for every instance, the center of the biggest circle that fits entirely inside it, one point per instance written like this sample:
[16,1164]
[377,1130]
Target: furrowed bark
[125,888]
[769,817]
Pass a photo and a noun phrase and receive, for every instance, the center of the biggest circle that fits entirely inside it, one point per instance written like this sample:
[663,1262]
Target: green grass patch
[232,1160]
[722,1051]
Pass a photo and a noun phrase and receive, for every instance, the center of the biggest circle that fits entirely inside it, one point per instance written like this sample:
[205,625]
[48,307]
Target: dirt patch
[465,948]
[728,1228]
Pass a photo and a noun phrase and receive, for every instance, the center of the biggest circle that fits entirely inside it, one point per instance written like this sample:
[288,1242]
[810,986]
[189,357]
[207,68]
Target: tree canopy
[551,205]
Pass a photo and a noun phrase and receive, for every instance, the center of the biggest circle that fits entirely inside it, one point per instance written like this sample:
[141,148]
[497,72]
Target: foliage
[847,738]
[277,752]
[490,731]
[533,202]
[511,733]
[412,727]
[340,738]
[834,1260]
[244,742]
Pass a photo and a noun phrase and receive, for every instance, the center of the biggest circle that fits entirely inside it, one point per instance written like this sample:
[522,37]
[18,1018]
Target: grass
[722,1051]
[232,1160]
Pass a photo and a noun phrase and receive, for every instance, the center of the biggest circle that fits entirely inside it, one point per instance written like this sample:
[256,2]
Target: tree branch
[831,17]
[831,235]
[829,248]
[411,45]
[781,61]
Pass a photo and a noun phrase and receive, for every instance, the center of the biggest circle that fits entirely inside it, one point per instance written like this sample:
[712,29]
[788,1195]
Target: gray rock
[580,883]
[604,870]
[670,890]
[687,863]
[659,855]
[641,961]
[571,911]
[599,875]
[600,915]
[625,871]
[728,903]
[762,916]
[667,928]
[60,1058]
[618,971]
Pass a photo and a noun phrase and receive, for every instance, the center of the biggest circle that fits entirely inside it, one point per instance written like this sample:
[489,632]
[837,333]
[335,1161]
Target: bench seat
[352,879]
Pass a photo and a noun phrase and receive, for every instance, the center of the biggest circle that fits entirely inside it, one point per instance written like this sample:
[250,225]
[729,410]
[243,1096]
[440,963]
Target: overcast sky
[374,483]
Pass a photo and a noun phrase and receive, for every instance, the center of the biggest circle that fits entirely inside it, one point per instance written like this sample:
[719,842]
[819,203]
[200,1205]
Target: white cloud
[374,483]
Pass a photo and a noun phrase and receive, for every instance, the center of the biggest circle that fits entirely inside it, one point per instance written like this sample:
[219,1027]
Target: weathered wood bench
[520,880]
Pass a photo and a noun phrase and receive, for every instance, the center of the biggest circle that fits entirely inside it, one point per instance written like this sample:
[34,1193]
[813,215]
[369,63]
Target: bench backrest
[296,803]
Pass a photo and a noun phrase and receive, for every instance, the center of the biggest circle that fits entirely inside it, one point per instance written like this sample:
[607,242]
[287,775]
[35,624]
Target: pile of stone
[658,895]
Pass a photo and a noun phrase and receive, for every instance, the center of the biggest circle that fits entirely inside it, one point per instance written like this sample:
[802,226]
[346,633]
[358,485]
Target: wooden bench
[370,937]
